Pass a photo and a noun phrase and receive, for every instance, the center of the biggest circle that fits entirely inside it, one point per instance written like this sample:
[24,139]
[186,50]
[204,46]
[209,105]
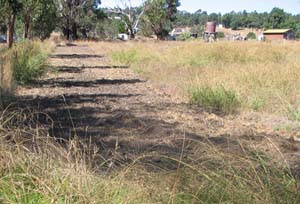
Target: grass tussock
[263,75]
[28,60]
[35,168]
[23,63]
[216,99]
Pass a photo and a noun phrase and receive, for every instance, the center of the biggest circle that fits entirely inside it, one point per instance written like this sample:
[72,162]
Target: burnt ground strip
[87,97]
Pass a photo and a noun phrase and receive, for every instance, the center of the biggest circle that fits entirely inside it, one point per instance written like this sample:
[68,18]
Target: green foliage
[216,99]
[184,36]
[78,16]
[160,14]
[28,60]
[276,18]
[108,29]
[220,34]
[45,19]
[251,36]
[9,7]
[198,29]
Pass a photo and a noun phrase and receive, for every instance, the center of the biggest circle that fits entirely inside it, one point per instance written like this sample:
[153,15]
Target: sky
[225,6]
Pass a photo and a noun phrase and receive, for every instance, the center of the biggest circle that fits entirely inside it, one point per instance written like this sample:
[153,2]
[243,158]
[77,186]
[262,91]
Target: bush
[184,36]
[28,60]
[216,99]
[221,35]
[251,36]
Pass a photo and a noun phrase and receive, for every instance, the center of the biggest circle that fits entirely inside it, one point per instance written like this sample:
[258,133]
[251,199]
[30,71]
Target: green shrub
[184,36]
[251,36]
[220,34]
[216,99]
[28,60]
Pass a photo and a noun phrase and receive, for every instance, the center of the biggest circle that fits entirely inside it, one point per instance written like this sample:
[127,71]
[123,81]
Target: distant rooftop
[276,31]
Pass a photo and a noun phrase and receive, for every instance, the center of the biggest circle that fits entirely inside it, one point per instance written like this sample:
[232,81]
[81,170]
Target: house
[279,34]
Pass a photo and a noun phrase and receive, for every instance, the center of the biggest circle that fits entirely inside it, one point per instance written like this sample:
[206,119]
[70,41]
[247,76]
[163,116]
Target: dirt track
[123,114]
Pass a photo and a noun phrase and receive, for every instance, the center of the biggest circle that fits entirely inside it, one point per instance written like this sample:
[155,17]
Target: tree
[129,15]
[28,10]
[276,18]
[160,14]
[44,19]
[71,13]
[38,17]
[9,10]
[237,21]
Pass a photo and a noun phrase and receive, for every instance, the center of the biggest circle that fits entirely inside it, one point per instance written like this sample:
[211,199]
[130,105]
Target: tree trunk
[159,36]
[27,27]
[10,30]
[74,31]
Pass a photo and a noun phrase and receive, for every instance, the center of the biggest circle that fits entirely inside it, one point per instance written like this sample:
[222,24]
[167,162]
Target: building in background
[279,34]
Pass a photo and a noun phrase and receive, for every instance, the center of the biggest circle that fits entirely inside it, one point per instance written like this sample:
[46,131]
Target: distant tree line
[277,18]
[86,19]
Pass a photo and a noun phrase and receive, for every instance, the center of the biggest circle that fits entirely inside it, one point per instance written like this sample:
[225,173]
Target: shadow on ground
[75,83]
[75,56]
[74,69]
[128,132]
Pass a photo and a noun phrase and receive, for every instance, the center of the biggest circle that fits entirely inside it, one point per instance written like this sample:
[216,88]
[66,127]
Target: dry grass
[34,168]
[265,76]
[6,73]
[22,63]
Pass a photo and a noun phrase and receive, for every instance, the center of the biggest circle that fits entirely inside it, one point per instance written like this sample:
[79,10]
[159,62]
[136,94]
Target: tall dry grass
[6,74]
[21,64]
[264,76]
[34,168]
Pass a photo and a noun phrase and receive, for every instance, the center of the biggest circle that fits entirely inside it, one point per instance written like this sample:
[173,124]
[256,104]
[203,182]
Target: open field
[91,130]
[263,76]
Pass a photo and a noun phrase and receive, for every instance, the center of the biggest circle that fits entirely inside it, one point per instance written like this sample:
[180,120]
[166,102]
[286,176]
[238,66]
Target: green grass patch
[125,57]
[28,59]
[216,99]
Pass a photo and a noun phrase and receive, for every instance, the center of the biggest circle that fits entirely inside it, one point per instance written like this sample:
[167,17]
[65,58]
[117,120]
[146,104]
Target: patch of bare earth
[124,117]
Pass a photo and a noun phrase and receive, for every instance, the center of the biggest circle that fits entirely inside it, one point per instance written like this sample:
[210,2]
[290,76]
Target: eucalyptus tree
[28,10]
[9,10]
[129,15]
[160,14]
[71,15]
